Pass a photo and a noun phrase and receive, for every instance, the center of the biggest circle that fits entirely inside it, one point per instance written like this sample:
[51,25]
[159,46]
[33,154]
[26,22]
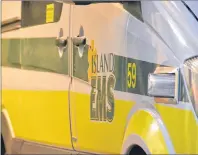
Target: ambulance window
[40,12]
[134,8]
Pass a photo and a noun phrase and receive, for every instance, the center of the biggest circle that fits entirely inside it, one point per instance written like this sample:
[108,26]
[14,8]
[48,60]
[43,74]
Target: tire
[2,146]
[136,150]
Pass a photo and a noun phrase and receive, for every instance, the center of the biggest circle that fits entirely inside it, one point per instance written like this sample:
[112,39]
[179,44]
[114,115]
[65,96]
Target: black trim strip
[11,24]
[189,9]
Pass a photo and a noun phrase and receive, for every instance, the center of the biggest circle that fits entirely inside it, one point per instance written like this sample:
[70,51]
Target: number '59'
[131,75]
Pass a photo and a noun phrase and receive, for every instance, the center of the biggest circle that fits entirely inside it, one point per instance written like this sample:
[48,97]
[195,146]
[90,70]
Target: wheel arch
[133,136]
[133,140]
[7,131]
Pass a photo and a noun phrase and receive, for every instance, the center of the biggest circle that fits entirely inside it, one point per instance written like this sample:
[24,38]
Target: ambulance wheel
[2,146]
[136,150]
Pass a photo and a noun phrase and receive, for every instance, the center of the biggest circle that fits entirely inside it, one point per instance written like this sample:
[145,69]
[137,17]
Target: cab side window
[40,12]
[134,8]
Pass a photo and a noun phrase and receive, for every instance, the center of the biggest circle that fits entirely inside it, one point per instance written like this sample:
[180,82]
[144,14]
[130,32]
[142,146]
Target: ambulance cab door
[37,75]
[98,34]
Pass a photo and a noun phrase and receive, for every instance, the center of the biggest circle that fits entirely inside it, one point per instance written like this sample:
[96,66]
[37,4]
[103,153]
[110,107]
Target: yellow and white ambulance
[99,78]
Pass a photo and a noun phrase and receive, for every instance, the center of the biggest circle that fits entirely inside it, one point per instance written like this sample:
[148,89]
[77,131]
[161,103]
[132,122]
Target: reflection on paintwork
[95,98]
[191,76]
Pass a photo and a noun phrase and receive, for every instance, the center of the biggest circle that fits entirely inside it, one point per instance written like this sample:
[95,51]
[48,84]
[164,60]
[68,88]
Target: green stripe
[120,71]
[41,54]
[34,53]
[143,68]
[11,54]
[80,67]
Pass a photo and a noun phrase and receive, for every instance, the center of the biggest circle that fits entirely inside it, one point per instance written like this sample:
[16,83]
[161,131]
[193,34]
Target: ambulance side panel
[35,78]
[121,50]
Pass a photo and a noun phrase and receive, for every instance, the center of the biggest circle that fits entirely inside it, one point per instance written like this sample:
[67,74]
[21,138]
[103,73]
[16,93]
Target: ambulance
[99,77]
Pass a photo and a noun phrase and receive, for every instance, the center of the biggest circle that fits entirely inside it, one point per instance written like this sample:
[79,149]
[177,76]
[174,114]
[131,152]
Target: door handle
[61,42]
[79,41]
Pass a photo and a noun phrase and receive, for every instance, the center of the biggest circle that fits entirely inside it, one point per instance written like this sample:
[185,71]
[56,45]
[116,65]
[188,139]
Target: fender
[146,127]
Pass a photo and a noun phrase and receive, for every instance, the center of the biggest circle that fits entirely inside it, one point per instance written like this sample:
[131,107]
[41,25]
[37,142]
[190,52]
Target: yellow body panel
[39,116]
[145,126]
[42,116]
[182,128]
[99,136]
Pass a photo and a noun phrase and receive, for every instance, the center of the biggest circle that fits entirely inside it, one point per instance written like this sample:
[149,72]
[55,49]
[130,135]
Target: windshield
[191,76]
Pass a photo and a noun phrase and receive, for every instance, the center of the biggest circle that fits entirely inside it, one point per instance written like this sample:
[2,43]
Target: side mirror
[162,85]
